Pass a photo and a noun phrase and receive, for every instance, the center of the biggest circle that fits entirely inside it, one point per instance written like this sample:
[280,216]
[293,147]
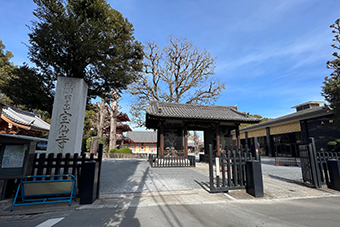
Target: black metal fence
[314,164]
[230,169]
[172,161]
[322,158]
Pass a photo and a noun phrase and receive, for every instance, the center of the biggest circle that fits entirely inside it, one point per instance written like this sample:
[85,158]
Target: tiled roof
[25,118]
[142,136]
[123,117]
[187,111]
[297,116]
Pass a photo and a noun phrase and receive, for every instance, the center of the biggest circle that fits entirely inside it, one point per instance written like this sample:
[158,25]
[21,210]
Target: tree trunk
[101,118]
[113,120]
[113,125]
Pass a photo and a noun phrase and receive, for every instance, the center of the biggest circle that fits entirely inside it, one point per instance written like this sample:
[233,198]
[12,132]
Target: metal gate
[309,165]
[229,171]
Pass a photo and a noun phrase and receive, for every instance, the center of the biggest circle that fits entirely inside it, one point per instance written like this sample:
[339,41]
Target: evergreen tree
[331,88]
[85,39]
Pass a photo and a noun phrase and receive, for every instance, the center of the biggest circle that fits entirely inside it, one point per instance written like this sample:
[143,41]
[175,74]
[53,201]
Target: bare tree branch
[181,73]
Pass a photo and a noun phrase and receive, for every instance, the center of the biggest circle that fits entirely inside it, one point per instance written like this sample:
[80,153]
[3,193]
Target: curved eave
[153,118]
[23,126]
[238,120]
[124,128]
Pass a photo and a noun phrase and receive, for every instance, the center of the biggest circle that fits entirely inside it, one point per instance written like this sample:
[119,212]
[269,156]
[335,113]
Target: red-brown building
[121,127]
[142,141]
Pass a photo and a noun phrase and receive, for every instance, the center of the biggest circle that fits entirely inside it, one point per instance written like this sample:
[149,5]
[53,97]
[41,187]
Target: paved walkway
[132,183]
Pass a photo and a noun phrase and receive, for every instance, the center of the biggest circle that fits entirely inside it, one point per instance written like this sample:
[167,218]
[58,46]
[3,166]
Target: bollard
[254,183]
[89,182]
[334,173]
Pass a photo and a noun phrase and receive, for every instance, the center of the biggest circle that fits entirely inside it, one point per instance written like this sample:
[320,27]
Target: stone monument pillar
[68,116]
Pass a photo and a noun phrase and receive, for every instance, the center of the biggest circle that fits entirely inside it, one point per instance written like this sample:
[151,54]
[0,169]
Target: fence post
[100,157]
[334,173]
[89,179]
[254,183]
[314,164]
[211,173]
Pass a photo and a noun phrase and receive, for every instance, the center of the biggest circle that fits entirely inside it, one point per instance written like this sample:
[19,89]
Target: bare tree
[181,73]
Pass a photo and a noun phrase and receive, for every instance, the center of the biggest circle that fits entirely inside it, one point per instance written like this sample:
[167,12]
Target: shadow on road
[288,180]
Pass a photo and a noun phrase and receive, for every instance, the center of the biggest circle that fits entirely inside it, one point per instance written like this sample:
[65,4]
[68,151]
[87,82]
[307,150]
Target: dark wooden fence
[172,161]
[51,164]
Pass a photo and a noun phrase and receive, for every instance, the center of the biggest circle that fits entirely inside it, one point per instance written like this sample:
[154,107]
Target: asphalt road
[300,212]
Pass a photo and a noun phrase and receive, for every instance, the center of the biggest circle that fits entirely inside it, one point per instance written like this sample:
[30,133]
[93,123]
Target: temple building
[121,128]
[19,122]
[172,122]
[142,141]
[283,135]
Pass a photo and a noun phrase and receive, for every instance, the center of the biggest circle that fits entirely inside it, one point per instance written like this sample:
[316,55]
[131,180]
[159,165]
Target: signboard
[14,156]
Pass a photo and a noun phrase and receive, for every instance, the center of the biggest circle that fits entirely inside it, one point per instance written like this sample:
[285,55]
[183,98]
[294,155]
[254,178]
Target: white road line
[50,222]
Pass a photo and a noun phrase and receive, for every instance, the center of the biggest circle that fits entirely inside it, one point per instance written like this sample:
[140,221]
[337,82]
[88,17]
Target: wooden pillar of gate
[185,141]
[238,140]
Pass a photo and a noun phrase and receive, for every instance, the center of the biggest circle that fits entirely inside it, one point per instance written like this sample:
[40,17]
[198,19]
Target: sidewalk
[143,187]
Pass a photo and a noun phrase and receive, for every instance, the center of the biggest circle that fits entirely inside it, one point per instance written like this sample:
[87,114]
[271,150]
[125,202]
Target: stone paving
[135,176]
[132,183]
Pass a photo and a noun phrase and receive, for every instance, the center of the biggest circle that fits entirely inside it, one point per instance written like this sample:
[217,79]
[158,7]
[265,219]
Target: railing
[230,169]
[321,159]
[314,164]
[172,161]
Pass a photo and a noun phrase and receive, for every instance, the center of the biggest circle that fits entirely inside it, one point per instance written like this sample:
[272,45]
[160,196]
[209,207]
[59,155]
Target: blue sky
[271,54]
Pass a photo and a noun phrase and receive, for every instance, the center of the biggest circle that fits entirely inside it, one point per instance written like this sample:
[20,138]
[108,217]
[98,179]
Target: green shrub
[334,145]
[125,150]
[88,144]
[114,150]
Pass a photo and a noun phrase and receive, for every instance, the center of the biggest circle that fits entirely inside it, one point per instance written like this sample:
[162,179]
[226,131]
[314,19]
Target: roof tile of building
[297,116]
[142,136]
[25,118]
[175,110]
